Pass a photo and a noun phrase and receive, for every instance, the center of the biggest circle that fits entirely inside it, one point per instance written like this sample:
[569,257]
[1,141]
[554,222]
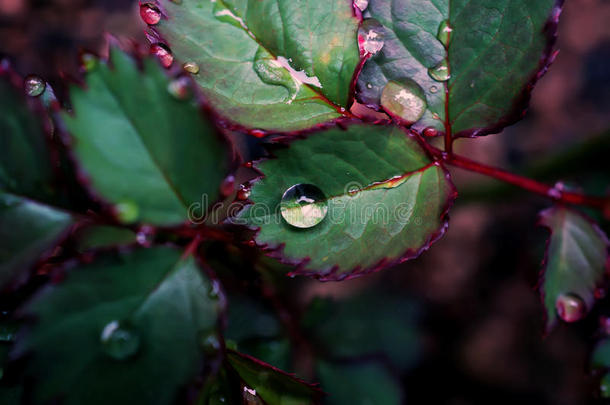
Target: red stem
[528,184]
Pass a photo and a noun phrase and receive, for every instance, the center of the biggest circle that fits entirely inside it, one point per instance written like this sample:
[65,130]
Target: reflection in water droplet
[444,33]
[570,307]
[270,71]
[34,86]
[361,4]
[119,342]
[405,100]
[191,67]
[303,206]
[179,88]
[370,36]
[163,53]
[440,72]
[604,386]
[150,13]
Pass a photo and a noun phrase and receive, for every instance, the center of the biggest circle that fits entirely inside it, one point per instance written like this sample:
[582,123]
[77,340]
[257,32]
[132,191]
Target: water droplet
[210,344]
[369,86]
[433,89]
[88,61]
[405,100]
[228,185]
[118,341]
[150,13]
[444,33]
[604,386]
[127,211]
[570,307]
[258,133]
[303,206]
[243,193]
[191,67]
[270,71]
[251,397]
[163,53]
[370,36]
[361,4]
[34,85]
[430,132]
[440,72]
[179,88]
[145,236]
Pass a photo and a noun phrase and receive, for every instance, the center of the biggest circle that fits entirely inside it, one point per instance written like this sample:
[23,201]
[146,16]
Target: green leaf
[360,383]
[127,328]
[103,236]
[27,230]
[272,385]
[365,325]
[496,51]
[29,227]
[379,187]
[148,152]
[237,45]
[575,262]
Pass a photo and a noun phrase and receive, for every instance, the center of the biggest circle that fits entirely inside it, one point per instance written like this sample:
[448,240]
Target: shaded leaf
[359,383]
[243,49]
[380,187]
[148,152]
[575,259]
[272,385]
[103,236]
[496,50]
[365,325]
[157,301]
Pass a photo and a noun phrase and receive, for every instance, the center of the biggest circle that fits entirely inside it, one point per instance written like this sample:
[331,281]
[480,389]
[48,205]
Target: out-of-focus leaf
[272,385]
[148,151]
[381,188]
[273,65]
[359,384]
[368,324]
[575,263]
[494,49]
[103,236]
[127,328]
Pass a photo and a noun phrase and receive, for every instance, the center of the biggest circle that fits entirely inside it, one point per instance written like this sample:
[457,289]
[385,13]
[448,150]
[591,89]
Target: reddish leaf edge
[550,324]
[136,53]
[315,387]
[276,252]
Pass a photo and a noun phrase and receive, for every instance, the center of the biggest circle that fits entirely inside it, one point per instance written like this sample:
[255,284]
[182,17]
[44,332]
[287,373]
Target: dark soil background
[482,318]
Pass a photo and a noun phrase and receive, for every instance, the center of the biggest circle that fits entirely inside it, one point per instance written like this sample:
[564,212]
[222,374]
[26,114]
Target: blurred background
[467,323]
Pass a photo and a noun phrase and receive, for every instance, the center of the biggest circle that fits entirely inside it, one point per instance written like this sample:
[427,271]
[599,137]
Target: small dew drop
[303,206]
[228,186]
[34,85]
[440,72]
[370,36]
[369,86]
[179,88]
[361,4]
[243,193]
[191,67]
[118,341]
[444,33]
[430,132]
[257,133]
[570,307]
[145,236]
[210,344]
[433,89]
[88,61]
[163,53]
[150,13]
[405,100]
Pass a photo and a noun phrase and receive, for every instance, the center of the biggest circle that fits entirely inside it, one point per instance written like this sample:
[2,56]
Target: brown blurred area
[484,321]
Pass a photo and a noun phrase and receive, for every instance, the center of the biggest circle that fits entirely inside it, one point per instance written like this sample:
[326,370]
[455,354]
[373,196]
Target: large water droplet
[444,33]
[271,72]
[570,307]
[191,67]
[163,53]
[440,72]
[405,100]
[303,206]
[361,4]
[118,341]
[150,13]
[370,36]
[34,85]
